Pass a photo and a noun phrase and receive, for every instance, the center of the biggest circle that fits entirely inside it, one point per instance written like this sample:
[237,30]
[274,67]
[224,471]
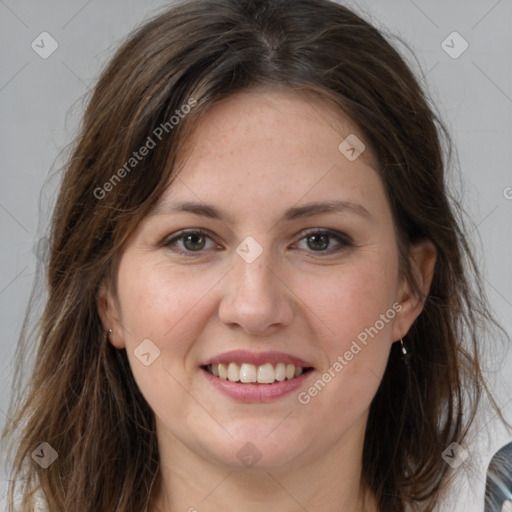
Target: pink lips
[256,392]
[257,358]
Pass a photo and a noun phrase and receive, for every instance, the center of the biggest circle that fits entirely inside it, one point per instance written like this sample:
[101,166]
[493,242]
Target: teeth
[223,371]
[233,372]
[280,371]
[250,373]
[266,374]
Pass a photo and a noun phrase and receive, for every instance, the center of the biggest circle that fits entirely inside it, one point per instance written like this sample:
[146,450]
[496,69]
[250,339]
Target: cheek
[167,307]
[352,298]
[353,311]
[157,298]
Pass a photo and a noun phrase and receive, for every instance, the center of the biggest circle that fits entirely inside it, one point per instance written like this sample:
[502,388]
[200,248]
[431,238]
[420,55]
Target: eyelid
[344,241]
[332,232]
[178,235]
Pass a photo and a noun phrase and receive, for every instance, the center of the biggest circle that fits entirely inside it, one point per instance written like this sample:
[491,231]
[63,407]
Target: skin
[255,155]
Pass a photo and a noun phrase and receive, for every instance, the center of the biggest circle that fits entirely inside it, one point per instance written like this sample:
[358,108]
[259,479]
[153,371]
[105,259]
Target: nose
[255,296]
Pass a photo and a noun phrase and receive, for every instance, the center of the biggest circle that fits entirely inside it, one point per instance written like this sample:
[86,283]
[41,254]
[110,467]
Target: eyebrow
[296,212]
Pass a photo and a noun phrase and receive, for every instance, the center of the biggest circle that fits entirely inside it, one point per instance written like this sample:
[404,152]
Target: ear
[422,260]
[108,310]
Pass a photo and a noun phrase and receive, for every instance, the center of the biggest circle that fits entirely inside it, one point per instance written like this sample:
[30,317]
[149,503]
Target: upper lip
[257,358]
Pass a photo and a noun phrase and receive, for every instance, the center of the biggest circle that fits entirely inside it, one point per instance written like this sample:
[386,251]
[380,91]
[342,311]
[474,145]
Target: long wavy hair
[81,397]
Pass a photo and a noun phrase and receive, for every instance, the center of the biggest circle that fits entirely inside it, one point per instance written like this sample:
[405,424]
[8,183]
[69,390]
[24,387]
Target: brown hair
[82,398]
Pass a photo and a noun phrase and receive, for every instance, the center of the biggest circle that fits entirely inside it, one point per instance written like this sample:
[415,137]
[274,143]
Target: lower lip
[256,392]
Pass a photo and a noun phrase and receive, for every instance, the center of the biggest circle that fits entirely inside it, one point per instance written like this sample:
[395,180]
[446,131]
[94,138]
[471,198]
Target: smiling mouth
[246,373]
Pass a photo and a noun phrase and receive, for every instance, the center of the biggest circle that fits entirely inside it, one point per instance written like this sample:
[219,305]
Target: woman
[259,291]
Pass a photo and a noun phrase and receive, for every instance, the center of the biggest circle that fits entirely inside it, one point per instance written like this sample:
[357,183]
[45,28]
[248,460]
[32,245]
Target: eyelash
[343,240]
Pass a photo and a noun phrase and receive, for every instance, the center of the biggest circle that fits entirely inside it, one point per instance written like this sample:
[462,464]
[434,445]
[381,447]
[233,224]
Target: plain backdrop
[40,106]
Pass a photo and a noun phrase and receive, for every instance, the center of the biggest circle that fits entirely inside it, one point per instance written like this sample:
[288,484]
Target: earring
[107,333]
[405,353]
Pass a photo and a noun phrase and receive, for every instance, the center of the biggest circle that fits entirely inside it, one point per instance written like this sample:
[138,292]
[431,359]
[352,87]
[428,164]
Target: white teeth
[280,371]
[266,374]
[223,371]
[250,373]
[233,372]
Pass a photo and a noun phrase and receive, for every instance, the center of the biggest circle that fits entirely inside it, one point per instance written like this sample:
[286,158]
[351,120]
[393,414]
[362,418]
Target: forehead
[281,118]
[271,148]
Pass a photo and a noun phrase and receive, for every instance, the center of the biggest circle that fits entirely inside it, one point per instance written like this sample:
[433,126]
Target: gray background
[41,103]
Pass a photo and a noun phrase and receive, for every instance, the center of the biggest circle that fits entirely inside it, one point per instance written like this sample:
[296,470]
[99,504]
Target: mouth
[252,377]
[248,373]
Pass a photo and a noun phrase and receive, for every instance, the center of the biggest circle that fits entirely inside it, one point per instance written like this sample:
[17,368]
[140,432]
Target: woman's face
[258,291]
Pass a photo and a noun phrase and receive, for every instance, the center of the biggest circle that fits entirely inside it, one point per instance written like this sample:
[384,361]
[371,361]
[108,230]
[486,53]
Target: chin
[258,446]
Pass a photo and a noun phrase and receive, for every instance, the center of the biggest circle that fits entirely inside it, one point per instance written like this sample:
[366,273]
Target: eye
[320,241]
[189,242]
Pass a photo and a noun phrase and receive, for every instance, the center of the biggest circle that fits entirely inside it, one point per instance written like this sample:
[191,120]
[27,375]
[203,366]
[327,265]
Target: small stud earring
[405,353]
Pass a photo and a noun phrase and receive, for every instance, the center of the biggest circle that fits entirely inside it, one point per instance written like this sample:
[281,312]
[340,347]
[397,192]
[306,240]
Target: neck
[330,482]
